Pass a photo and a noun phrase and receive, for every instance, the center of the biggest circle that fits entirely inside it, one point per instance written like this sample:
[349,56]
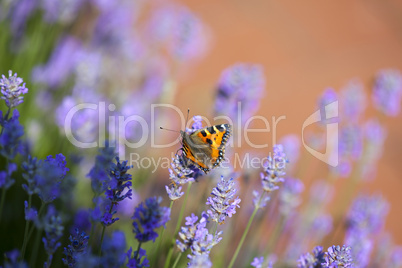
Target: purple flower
[374,135]
[200,261]
[44,177]
[240,87]
[78,245]
[136,260]
[5,176]
[61,64]
[99,173]
[12,89]
[187,233]
[260,201]
[314,260]
[222,201]
[329,96]
[203,242]
[367,214]
[31,214]
[179,31]
[274,169]
[11,259]
[120,180]
[339,257]
[182,172]
[291,146]
[148,216]
[81,221]
[107,218]
[387,92]
[64,11]
[321,226]
[361,247]
[290,195]
[353,101]
[10,138]
[113,249]
[54,231]
[20,12]
[258,262]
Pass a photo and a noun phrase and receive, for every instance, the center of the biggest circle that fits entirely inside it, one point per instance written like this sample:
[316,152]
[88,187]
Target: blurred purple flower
[200,261]
[61,64]
[203,242]
[148,216]
[180,31]
[114,250]
[31,214]
[321,226]
[62,11]
[259,262]
[222,201]
[81,221]
[274,169]
[361,247]
[44,177]
[240,87]
[11,260]
[99,173]
[314,260]
[136,260]
[259,201]
[78,245]
[20,12]
[187,233]
[387,92]
[367,214]
[12,89]
[5,176]
[353,101]
[329,96]
[10,138]
[54,231]
[290,195]
[291,147]
[374,134]
[396,257]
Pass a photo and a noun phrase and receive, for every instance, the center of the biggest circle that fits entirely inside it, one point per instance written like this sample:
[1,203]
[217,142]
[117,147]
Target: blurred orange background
[305,47]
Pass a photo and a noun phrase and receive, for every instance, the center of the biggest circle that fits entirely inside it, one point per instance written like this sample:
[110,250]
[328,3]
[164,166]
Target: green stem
[161,237]
[275,236]
[215,228]
[183,206]
[5,119]
[35,248]
[3,199]
[246,231]
[168,257]
[177,260]
[39,214]
[137,254]
[103,233]
[24,243]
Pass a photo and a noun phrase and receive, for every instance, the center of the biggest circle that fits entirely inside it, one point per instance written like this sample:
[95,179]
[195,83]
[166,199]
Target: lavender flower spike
[148,216]
[76,248]
[387,92]
[222,202]
[120,180]
[274,169]
[12,89]
[339,257]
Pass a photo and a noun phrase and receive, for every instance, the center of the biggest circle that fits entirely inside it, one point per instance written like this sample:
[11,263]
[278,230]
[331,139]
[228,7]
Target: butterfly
[206,147]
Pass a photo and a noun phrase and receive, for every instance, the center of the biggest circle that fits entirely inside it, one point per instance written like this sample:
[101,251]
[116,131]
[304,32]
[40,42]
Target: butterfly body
[206,147]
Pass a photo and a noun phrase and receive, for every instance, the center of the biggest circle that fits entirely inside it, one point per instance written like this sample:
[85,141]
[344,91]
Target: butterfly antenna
[188,112]
[168,129]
